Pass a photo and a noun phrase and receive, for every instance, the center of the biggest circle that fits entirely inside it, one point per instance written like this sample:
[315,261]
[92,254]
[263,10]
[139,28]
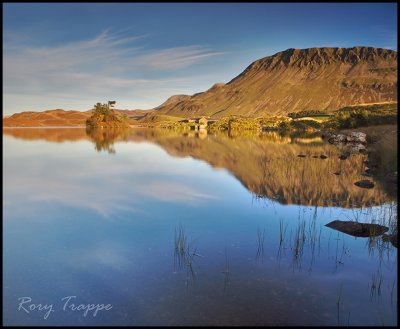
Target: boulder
[358,148]
[344,155]
[357,229]
[340,138]
[323,156]
[301,155]
[357,137]
[391,238]
[354,137]
[365,183]
[366,174]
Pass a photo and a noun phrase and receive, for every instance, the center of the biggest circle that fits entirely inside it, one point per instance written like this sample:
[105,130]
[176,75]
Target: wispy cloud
[178,57]
[108,65]
[168,191]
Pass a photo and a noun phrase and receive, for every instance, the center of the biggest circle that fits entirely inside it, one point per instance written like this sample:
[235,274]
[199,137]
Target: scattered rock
[365,183]
[357,137]
[357,229]
[355,148]
[392,238]
[366,174]
[315,156]
[323,156]
[344,155]
[301,155]
[354,137]
[338,173]
[340,138]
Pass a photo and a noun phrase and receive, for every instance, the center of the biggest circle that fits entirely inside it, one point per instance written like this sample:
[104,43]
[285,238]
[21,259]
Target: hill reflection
[267,165]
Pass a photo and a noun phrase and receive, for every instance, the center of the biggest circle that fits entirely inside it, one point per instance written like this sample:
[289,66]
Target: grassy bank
[305,121]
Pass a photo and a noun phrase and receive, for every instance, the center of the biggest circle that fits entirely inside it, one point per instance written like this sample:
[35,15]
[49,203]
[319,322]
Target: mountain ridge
[294,80]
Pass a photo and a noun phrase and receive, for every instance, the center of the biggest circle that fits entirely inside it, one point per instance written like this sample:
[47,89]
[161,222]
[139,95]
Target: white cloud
[169,191]
[178,57]
[80,73]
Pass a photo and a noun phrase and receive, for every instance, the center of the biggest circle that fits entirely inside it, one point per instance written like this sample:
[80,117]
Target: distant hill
[297,80]
[58,118]
[47,118]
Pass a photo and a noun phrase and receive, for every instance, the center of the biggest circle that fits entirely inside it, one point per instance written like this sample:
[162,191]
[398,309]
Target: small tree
[104,115]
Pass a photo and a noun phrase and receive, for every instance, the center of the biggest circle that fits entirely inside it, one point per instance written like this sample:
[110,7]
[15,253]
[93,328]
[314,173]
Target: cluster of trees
[104,116]
[358,116]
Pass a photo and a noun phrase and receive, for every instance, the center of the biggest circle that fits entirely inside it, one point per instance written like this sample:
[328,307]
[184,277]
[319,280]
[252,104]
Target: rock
[323,156]
[391,238]
[338,173]
[366,174]
[301,155]
[315,156]
[327,134]
[358,148]
[365,183]
[344,155]
[340,138]
[354,137]
[357,137]
[357,229]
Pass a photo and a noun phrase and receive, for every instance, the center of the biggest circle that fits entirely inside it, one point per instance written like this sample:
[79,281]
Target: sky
[73,55]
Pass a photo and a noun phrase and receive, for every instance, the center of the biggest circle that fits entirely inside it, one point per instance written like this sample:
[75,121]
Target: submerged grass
[184,254]
[260,243]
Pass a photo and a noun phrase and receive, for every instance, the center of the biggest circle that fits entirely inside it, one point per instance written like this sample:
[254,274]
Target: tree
[103,115]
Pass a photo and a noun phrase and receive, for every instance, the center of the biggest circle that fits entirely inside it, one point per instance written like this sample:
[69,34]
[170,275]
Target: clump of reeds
[260,242]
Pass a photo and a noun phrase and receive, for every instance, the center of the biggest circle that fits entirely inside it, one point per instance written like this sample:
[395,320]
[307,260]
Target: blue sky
[71,56]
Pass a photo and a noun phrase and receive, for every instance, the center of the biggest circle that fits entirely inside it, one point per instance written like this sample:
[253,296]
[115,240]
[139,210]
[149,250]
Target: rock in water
[392,238]
[344,155]
[357,137]
[365,183]
[357,229]
[366,174]
[340,138]
[354,137]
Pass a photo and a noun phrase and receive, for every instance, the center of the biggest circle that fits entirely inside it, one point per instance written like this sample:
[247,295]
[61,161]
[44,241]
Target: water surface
[97,215]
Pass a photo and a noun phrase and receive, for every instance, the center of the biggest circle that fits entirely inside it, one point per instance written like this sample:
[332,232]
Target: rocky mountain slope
[295,80]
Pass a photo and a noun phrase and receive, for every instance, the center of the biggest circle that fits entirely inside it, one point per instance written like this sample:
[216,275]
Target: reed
[260,243]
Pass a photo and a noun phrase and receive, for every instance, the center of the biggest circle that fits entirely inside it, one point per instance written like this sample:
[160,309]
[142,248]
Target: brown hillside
[46,118]
[58,118]
[296,80]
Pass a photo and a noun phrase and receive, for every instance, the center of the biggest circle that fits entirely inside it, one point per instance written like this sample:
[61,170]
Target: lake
[156,227]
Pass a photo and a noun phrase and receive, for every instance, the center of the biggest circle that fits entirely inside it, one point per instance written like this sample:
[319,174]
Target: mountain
[295,80]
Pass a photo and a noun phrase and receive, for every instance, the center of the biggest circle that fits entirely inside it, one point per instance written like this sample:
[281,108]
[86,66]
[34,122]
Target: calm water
[97,216]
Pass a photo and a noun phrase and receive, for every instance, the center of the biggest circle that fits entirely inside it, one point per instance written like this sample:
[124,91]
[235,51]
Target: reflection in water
[267,165]
[101,227]
[104,138]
